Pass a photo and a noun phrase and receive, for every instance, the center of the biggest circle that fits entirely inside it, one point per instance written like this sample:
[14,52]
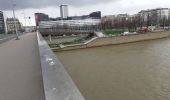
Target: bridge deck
[20,71]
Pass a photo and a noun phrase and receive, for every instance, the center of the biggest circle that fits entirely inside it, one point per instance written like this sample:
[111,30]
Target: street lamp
[16,31]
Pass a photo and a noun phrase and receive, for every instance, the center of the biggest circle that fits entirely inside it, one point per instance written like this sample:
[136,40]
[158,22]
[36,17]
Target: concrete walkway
[20,71]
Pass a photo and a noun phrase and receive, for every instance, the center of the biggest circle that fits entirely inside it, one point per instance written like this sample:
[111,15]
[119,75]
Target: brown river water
[133,71]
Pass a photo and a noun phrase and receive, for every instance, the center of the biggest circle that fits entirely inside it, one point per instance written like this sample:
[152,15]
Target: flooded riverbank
[133,71]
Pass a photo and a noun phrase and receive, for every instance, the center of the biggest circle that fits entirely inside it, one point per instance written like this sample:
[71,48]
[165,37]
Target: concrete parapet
[58,85]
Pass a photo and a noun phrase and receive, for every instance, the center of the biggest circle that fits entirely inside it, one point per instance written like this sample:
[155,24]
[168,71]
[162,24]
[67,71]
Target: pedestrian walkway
[20,71]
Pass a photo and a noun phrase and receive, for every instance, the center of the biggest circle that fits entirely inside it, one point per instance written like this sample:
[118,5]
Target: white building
[159,12]
[11,25]
[155,17]
[163,13]
[64,11]
[69,26]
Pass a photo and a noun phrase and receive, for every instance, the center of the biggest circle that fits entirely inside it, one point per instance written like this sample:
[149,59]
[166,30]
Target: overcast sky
[77,7]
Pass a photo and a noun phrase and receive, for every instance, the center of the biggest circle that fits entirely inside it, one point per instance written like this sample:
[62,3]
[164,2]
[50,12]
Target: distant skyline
[78,7]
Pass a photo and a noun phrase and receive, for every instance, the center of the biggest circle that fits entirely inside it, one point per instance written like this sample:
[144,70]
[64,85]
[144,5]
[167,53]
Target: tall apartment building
[11,25]
[154,17]
[64,11]
[2,23]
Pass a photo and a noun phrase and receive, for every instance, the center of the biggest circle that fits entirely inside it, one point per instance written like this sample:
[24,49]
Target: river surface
[134,71]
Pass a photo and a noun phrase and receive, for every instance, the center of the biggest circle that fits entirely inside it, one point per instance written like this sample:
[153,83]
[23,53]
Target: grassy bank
[117,31]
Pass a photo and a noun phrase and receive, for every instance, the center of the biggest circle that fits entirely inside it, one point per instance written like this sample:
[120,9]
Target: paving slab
[20,70]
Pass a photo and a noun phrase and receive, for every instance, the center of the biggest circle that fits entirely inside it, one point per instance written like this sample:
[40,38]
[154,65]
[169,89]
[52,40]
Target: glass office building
[2,23]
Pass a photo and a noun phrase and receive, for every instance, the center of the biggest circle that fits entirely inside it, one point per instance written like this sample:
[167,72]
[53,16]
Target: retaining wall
[117,40]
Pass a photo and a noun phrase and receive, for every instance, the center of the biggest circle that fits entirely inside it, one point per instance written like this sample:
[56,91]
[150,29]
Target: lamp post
[16,31]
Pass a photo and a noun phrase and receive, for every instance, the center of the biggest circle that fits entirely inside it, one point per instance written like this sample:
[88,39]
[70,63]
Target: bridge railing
[7,37]
[58,85]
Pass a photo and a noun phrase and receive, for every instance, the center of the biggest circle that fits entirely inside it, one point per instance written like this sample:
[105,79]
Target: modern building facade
[40,17]
[85,22]
[2,23]
[64,11]
[70,26]
[11,25]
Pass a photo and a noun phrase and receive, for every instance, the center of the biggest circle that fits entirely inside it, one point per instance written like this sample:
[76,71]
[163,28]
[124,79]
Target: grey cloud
[23,4]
